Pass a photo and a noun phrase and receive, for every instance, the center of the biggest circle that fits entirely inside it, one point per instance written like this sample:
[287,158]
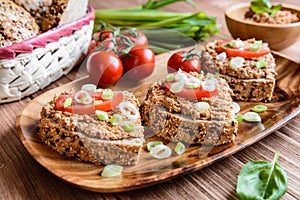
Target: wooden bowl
[279,36]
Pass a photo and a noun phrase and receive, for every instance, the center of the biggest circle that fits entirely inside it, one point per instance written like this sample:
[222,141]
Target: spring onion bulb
[202,106]
[251,117]
[180,148]
[259,108]
[237,62]
[161,151]
[83,97]
[111,170]
[236,108]
[89,87]
[152,144]
[107,94]
[129,110]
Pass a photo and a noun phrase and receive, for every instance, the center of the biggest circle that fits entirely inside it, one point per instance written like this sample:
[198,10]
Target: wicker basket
[33,64]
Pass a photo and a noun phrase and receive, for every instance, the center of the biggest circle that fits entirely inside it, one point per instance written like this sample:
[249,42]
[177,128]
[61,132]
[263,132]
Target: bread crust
[16,24]
[248,82]
[86,138]
[174,119]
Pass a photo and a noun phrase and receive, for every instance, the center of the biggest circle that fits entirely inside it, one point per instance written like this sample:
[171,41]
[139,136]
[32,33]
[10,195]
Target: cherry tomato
[138,37]
[79,108]
[186,61]
[245,52]
[139,63]
[193,93]
[92,46]
[103,35]
[104,68]
[104,40]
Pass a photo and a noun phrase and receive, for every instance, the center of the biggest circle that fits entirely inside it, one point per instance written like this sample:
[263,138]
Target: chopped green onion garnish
[170,77]
[239,118]
[68,102]
[89,87]
[180,76]
[152,144]
[161,151]
[111,170]
[236,44]
[217,75]
[129,126]
[180,148]
[86,99]
[259,108]
[251,117]
[102,115]
[192,85]
[260,64]
[177,87]
[201,75]
[116,119]
[97,102]
[107,94]
[221,56]
[201,106]
[255,46]
[237,62]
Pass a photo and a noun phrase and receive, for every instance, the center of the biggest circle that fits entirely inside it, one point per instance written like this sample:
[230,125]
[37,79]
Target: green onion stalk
[165,30]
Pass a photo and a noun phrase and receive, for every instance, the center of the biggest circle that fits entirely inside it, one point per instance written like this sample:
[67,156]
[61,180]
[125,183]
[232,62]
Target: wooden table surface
[21,177]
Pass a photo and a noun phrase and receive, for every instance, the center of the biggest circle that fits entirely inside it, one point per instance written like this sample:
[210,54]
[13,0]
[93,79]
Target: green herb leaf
[275,9]
[264,6]
[262,180]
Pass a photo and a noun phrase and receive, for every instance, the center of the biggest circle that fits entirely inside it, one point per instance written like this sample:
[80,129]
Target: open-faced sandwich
[95,125]
[247,66]
[190,108]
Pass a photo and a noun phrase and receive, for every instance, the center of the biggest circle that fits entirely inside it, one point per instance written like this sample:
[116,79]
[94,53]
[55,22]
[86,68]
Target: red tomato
[78,108]
[104,68]
[104,39]
[191,93]
[183,60]
[103,35]
[245,53]
[92,46]
[139,63]
[138,37]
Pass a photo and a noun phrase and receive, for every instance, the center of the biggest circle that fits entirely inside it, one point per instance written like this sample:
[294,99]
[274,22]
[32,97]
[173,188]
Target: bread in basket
[33,64]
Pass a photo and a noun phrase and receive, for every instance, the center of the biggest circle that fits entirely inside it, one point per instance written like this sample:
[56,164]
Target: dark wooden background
[21,177]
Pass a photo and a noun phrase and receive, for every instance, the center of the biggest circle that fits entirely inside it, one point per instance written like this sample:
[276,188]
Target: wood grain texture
[149,171]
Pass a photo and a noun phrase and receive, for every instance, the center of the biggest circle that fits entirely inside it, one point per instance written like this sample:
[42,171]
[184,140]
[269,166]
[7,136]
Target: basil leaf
[262,180]
[260,6]
[275,9]
[264,6]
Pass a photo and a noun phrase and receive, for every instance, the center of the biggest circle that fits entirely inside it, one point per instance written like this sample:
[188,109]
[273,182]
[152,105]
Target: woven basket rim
[41,40]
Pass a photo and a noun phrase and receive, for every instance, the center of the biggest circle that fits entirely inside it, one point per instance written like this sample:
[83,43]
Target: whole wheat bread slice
[86,138]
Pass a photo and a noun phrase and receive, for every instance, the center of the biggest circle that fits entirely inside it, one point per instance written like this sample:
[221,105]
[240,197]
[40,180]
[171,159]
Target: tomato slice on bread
[80,108]
[192,93]
[245,52]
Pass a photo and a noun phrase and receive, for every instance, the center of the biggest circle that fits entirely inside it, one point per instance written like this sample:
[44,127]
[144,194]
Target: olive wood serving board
[149,171]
